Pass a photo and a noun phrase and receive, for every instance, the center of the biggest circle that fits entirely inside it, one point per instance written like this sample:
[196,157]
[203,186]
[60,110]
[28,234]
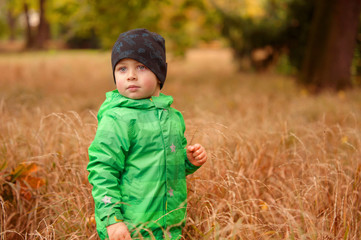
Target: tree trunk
[11,23]
[332,39]
[43,28]
[29,35]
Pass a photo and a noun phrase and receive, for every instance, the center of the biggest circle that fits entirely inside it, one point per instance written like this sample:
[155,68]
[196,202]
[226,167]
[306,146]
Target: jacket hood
[114,100]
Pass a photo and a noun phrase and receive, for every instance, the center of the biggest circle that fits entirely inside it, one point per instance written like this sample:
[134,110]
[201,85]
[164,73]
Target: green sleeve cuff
[112,219]
[190,168]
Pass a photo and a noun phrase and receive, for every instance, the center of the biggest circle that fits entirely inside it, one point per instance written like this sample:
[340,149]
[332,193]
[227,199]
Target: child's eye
[122,69]
[142,67]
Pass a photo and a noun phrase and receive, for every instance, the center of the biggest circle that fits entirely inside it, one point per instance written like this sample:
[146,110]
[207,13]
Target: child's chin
[137,97]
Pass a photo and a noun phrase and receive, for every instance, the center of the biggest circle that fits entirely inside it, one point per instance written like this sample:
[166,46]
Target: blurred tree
[74,22]
[187,22]
[96,23]
[318,37]
[112,17]
[12,10]
[356,62]
[37,27]
[299,15]
[7,21]
[256,33]
[179,21]
[43,31]
[30,42]
[330,49]
[262,31]
[11,20]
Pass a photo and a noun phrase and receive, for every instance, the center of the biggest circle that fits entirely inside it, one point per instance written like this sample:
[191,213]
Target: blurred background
[317,41]
[271,88]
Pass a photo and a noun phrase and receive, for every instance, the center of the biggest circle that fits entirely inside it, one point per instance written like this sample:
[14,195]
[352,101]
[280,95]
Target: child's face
[134,80]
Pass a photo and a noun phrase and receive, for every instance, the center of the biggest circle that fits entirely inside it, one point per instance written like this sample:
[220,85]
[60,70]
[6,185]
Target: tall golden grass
[283,164]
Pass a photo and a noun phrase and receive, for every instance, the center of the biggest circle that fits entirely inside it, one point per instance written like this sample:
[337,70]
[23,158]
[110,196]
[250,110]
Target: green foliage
[112,17]
[97,24]
[15,7]
[299,17]
[284,66]
[73,21]
[180,22]
[247,33]
[356,61]
[284,27]
[3,29]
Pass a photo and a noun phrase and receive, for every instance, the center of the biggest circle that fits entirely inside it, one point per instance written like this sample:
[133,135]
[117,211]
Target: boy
[138,161]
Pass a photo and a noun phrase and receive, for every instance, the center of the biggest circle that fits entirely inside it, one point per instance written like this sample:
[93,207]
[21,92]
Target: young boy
[138,160]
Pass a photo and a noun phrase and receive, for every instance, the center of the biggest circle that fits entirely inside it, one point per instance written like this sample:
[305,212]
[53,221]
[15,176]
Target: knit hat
[143,46]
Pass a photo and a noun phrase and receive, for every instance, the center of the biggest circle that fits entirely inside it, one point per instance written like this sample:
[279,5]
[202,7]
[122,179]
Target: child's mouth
[132,88]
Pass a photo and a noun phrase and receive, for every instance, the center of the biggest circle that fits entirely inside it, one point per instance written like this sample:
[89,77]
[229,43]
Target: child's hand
[118,231]
[196,154]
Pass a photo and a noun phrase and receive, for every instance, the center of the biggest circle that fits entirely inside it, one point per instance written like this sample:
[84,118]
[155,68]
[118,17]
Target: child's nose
[132,75]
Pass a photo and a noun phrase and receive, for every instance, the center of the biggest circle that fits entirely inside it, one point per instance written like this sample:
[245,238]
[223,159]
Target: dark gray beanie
[143,46]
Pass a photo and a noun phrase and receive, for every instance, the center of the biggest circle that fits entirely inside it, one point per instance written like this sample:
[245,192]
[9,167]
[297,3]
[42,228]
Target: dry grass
[283,164]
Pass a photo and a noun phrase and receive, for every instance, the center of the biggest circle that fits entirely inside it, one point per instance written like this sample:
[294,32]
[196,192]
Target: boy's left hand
[196,154]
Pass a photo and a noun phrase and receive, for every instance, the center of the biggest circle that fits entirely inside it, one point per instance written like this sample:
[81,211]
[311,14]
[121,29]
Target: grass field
[283,164]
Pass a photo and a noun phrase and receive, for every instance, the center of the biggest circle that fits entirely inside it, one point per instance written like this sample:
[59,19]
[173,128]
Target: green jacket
[138,166]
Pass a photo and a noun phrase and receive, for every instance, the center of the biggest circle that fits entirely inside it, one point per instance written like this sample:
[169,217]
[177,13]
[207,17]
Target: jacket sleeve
[189,167]
[107,155]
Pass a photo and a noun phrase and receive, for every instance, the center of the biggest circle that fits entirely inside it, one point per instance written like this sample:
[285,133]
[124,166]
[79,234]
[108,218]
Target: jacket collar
[114,100]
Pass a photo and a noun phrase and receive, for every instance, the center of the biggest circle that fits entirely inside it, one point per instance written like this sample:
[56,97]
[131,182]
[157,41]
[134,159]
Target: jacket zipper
[165,199]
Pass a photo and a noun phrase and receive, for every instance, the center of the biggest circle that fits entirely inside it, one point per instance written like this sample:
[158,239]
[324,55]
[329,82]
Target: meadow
[283,164]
